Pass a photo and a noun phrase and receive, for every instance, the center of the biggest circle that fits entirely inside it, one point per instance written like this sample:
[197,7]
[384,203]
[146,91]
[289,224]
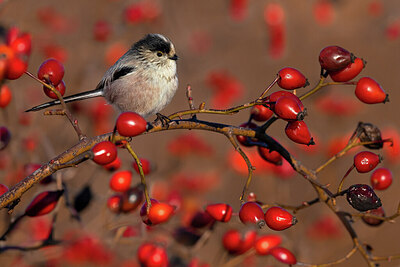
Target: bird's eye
[159,54]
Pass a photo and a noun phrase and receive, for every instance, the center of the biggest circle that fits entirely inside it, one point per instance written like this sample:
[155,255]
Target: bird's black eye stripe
[122,72]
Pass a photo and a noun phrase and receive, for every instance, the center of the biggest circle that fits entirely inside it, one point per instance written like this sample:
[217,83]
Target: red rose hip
[251,212]
[370,92]
[290,79]
[131,124]
[104,152]
[51,71]
[279,219]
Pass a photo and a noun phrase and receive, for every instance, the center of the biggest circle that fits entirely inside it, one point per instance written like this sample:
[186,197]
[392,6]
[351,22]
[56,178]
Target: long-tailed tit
[143,80]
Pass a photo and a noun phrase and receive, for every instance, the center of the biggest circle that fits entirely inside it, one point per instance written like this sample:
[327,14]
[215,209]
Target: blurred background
[229,51]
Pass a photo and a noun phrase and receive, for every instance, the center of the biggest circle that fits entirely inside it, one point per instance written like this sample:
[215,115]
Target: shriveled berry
[370,92]
[298,132]
[366,161]
[381,179]
[279,219]
[370,133]
[362,197]
[349,72]
[283,255]
[374,221]
[291,78]
[221,212]
[251,212]
[334,58]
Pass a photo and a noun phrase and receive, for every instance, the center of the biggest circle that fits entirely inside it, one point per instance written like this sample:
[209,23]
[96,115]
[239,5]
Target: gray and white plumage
[143,80]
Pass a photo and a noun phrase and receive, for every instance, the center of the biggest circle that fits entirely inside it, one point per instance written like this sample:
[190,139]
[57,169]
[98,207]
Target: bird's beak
[174,57]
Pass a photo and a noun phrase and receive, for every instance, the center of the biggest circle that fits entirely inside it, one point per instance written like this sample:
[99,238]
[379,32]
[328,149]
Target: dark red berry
[244,140]
[270,155]
[131,124]
[287,108]
[381,179]
[298,132]
[251,212]
[131,199]
[60,88]
[362,197]
[334,58]
[5,137]
[349,72]
[366,161]
[51,71]
[104,152]
[370,92]
[238,243]
[220,212]
[283,255]
[264,243]
[201,219]
[374,221]
[43,203]
[261,113]
[290,79]
[279,219]
[121,181]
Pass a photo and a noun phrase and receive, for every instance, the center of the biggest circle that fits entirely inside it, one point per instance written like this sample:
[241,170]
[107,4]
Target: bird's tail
[71,98]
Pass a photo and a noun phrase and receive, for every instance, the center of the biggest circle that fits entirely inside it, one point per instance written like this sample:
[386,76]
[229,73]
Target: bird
[143,80]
